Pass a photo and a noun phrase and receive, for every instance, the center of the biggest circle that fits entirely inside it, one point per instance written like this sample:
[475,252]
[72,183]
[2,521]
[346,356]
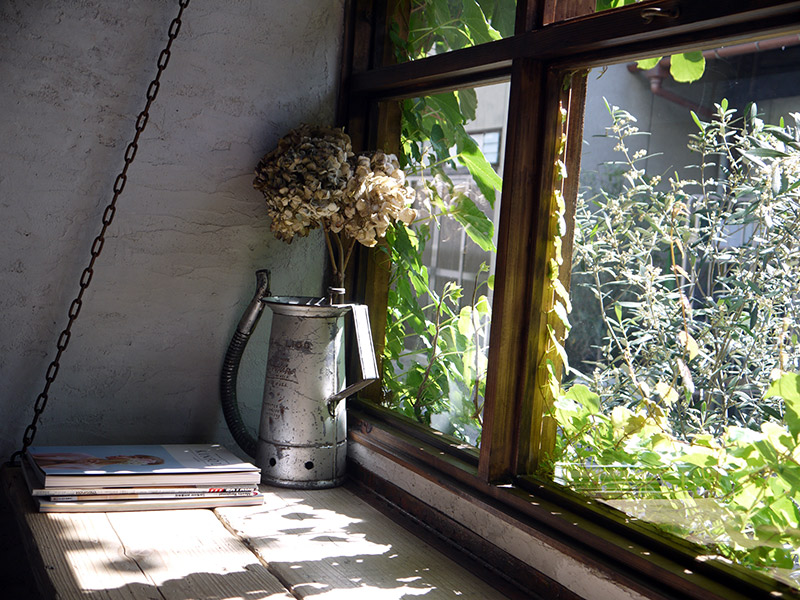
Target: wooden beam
[508,361]
[591,40]
[535,422]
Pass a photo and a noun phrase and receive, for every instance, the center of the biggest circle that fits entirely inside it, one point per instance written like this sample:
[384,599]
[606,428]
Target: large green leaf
[606,4]
[687,67]
[702,457]
[482,172]
[501,14]
[586,397]
[402,241]
[468,101]
[477,225]
[438,141]
[788,388]
[479,29]
[648,63]
[441,15]
[446,109]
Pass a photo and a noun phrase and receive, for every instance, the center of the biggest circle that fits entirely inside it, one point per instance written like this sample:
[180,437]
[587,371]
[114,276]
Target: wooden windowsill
[323,544]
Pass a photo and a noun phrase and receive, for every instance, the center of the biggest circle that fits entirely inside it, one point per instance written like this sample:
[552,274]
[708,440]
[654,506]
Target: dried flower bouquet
[313,179]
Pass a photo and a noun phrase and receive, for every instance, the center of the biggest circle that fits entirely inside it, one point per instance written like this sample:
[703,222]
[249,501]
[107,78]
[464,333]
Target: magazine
[163,495]
[46,505]
[131,493]
[138,466]
[87,492]
[195,490]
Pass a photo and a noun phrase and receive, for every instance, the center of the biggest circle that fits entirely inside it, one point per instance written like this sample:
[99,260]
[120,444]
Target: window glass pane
[423,28]
[441,286]
[681,403]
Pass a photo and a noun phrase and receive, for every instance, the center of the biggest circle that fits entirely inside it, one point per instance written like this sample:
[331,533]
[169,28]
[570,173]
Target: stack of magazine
[149,477]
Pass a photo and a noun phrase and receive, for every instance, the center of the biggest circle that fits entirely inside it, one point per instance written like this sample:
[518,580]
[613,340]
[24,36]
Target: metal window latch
[652,12]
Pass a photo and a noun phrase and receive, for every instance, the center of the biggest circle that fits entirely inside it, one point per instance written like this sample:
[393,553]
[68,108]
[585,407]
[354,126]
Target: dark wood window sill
[631,553]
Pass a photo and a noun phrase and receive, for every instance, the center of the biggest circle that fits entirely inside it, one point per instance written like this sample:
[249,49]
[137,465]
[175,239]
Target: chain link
[97,245]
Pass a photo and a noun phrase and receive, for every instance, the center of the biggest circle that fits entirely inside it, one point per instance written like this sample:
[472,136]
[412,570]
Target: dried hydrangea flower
[312,179]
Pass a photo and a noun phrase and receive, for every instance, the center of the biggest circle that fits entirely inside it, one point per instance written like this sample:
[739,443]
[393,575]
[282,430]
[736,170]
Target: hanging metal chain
[97,245]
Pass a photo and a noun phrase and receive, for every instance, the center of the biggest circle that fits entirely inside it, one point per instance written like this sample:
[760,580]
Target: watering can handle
[366,356]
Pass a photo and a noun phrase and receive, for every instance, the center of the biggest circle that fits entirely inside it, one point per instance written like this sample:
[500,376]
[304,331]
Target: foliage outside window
[423,28]
[690,400]
[437,329]
[435,354]
[694,400]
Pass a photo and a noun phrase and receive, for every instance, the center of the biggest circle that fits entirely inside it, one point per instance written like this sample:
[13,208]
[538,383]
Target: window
[440,289]
[489,143]
[685,305]
[546,66]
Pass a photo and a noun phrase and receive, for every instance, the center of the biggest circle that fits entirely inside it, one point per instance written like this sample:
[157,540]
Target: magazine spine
[153,496]
[88,492]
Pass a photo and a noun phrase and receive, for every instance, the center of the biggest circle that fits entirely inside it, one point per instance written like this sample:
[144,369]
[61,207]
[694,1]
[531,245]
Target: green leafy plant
[432,362]
[435,351]
[737,493]
[693,395]
[695,279]
[684,67]
[425,27]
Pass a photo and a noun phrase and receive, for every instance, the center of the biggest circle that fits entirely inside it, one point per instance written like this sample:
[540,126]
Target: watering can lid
[305,305]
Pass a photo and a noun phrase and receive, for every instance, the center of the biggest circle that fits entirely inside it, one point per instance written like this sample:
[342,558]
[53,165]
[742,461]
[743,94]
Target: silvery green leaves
[695,389]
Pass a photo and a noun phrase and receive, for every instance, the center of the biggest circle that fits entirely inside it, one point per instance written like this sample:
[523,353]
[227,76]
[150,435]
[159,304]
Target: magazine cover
[201,462]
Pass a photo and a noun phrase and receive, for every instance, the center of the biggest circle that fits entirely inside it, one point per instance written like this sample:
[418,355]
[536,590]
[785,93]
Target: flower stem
[328,235]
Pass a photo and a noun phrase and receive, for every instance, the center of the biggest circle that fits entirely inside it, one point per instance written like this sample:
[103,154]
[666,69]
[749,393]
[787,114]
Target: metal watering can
[302,438]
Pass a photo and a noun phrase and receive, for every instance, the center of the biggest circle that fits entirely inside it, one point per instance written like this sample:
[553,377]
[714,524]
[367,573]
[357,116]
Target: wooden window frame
[536,60]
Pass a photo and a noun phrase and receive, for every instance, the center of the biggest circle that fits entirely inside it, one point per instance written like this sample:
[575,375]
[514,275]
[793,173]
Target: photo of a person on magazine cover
[80,460]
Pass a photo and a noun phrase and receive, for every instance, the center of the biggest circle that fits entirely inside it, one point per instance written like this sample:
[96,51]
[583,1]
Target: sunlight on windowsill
[331,544]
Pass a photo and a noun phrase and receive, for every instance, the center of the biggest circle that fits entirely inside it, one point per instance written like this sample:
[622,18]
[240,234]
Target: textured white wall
[178,264]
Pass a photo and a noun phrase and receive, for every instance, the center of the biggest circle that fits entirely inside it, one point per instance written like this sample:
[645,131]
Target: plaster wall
[177,267]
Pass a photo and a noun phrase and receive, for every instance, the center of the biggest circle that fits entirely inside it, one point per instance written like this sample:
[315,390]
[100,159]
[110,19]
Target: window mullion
[510,309]
[530,14]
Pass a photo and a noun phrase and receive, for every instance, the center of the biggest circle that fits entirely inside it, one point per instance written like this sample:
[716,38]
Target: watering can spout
[230,367]
[253,312]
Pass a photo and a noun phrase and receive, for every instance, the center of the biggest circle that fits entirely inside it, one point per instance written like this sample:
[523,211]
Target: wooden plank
[63,543]
[18,506]
[329,544]
[169,555]
[189,554]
